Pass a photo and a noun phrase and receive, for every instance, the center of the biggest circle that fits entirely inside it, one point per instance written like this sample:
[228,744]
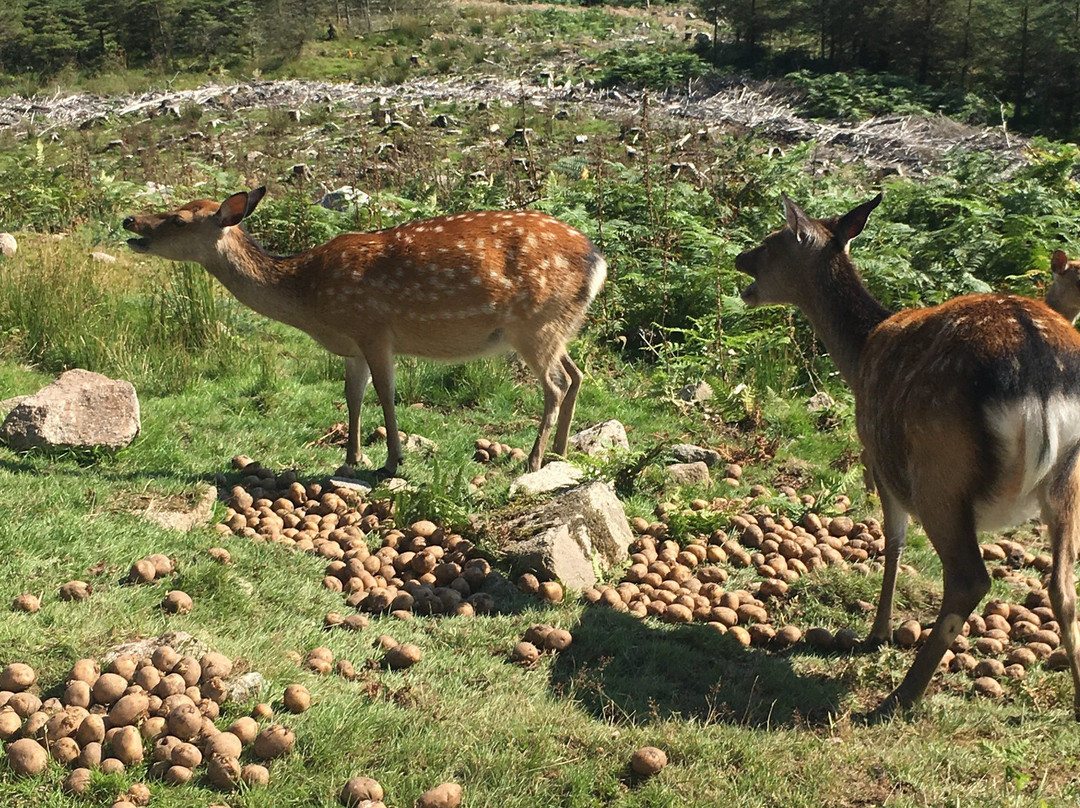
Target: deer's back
[459,285]
[977,398]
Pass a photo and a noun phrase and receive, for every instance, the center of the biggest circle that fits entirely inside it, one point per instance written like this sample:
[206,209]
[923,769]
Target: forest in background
[990,60]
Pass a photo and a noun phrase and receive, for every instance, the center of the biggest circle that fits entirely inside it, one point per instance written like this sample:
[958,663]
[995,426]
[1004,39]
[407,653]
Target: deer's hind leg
[1061,512]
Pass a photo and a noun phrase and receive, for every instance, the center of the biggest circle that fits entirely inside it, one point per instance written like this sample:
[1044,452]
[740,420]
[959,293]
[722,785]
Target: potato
[17,677]
[108,688]
[75,590]
[91,730]
[35,724]
[77,694]
[64,750]
[177,602]
[361,789]
[190,669]
[262,711]
[138,793]
[184,721]
[152,728]
[177,775]
[85,670]
[27,757]
[525,653]
[186,755]
[274,741]
[254,775]
[163,565]
[142,571]
[77,781]
[223,772]
[10,723]
[163,747]
[147,677]
[989,687]
[164,658]
[447,795]
[296,698]
[551,591]
[648,760]
[908,633]
[90,756]
[224,744]
[127,746]
[214,664]
[529,584]
[64,723]
[558,640]
[129,709]
[403,656]
[245,729]
[26,602]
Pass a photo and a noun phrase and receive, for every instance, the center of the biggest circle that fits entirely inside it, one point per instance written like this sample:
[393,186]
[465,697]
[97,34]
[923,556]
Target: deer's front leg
[357,376]
[895,528]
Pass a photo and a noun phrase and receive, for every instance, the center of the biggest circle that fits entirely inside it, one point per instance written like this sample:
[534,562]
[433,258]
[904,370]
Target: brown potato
[10,723]
[186,755]
[177,602]
[254,775]
[214,664]
[16,677]
[85,670]
[361,789]
[224,744]
[558,640]
[184,721]
[274,741]
[75,590]
[26,602]
[177,775]
[77,781]
[108,688]
[91,730]
[525,653]
[142,571]
[129,709]
[296,698]
[648,760]
[244,728]
[403,656]
[164,658]
[127,746]
[223,771]
[447,795]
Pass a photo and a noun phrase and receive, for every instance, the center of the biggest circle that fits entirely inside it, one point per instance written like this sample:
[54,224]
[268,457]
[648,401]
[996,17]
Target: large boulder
[80,409]
[571,537]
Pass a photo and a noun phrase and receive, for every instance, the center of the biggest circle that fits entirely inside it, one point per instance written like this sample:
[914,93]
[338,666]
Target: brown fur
[449,288]
[1063,296]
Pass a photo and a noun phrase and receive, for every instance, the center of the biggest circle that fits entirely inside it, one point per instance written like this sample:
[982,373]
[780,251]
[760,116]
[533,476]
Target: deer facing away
[969,413]
[1063,296]
[450,288]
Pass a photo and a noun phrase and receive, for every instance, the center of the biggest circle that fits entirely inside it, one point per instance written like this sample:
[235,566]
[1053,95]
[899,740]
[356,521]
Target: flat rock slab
[689,453]
[552,477]
[571,538]
[164,514]
[601,438]
[689,473]
[81,409]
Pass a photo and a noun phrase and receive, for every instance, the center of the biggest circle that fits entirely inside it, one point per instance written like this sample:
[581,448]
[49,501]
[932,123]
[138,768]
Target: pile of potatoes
[422,569]
[165,703]
[684,584]
[491,450]
[538,638]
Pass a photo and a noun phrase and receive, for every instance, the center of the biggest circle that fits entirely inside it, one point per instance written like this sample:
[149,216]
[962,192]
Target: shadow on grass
[621,668]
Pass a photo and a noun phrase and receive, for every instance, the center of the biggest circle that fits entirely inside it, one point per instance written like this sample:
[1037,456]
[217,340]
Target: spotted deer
[969,413]
[449,288]
[1063,296]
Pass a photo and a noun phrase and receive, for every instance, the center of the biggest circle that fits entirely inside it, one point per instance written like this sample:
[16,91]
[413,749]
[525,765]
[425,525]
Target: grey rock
[8,245]
[551,477]
[820,401]
[180,641]
[573,537]
[184,519]
[344,198]
[246,687]
[689,453]
[80,409]
[696,393]
[689,473]
[601,438]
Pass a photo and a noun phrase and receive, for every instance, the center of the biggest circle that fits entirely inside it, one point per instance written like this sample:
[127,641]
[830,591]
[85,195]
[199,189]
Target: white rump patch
[1033,438]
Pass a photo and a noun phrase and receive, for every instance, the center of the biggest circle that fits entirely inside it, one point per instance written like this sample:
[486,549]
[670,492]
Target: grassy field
[741,726]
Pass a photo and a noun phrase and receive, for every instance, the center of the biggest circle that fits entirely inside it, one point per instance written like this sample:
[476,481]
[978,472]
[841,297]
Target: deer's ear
[853,222]
[1058,261]
[797,221]
[239,206]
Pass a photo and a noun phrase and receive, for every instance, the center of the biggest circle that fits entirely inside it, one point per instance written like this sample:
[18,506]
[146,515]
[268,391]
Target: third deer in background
[1063,296]
[969,413]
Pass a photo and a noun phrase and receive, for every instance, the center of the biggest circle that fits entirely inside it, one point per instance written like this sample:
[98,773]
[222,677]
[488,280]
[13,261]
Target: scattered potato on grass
[177,602]
[648,760]
[360,789]
[446,795]
[296,699]
[525,653]
[26,602]
[274,741]
[404,655]
[17,677]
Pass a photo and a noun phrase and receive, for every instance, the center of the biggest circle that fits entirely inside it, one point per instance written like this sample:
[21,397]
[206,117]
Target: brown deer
[450,288]
[969,413]
[1063,296]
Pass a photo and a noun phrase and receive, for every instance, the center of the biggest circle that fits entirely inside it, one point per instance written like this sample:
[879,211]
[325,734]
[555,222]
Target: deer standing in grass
[1063,296]
[450,288]
[969,413]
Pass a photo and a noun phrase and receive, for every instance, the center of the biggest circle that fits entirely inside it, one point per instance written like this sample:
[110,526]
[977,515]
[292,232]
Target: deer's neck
[843,314]
[271,285]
